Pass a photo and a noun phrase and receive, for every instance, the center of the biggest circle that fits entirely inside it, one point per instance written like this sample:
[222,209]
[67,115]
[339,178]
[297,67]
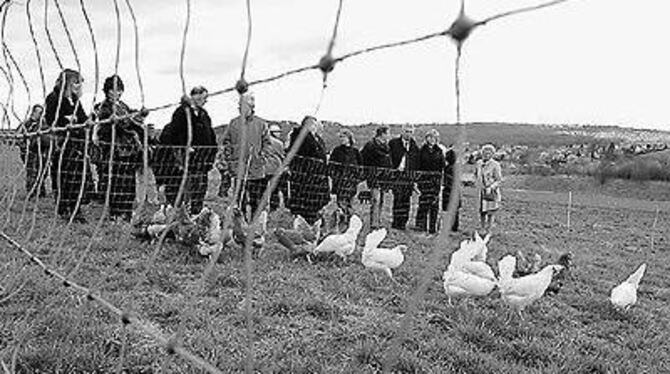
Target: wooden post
[653,229]
[569,207]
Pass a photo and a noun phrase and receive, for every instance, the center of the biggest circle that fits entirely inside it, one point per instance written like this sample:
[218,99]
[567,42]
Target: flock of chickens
[467,275]
[205,231]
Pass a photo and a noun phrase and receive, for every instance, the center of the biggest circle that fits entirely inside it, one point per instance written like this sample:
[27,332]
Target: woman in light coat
[488,177]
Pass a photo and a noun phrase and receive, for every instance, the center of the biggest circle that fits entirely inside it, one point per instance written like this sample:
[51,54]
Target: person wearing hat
[404,158]
[488,177]
[430,165]
[63,108]
[273,161]
[247,142]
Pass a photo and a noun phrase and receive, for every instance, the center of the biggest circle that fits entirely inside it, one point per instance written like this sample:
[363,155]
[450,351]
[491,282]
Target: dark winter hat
[111,83]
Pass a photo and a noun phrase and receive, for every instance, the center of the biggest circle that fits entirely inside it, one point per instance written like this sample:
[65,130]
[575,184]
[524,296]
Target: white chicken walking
[521,292]
[471,278]
[342,244]
[624,295]
[383,259]
[468,274]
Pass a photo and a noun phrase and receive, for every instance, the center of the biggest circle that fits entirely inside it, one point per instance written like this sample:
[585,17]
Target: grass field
[329,317]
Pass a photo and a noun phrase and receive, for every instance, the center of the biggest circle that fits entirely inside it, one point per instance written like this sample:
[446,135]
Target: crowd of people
[248,155]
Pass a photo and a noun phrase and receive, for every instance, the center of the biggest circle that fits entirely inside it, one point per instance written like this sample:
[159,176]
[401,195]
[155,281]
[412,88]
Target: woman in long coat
[430,165]
[309,191]
[128,145]
[488,177]
[343,167]
[62,109]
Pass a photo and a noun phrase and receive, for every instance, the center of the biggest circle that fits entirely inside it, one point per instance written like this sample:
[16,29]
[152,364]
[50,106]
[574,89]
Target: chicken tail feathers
[637,276]
[506,267]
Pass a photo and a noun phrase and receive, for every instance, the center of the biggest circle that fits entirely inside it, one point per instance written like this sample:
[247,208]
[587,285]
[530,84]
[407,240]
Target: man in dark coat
[376,156]
[431,163]
[203,149]
[404,157]
[448,181]
[344,171]
[309,190]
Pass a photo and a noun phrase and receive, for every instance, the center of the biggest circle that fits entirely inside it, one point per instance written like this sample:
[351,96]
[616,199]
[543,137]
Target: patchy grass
[333,317]
[615,188]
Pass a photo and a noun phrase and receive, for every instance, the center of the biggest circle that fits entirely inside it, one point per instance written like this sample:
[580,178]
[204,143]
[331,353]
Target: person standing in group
[448,182]
[34,151]
[310,190]
[62,109]
[274,160]
[376,156]
[128,146]
[431,164]
[404,157]
[488,177]
[221,165]
[248,134]
[202,152]
[343,168]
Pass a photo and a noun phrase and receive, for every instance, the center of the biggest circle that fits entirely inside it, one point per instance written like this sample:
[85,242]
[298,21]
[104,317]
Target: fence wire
[80,171]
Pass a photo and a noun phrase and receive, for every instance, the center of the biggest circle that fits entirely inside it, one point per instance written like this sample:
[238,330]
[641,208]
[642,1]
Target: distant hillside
[622,135]
[542,149]
[501,134]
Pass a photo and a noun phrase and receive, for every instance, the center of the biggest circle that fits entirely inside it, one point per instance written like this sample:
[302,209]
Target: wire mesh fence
[59,169]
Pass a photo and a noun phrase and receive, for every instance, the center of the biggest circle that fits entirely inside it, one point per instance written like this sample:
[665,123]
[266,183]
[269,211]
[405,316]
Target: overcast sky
[603,62]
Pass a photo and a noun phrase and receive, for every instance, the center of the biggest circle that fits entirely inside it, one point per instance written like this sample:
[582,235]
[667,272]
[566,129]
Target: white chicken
[473,278]
[468,274]
[342,244]
[161,214]
[155,230]
[521,292]
[383,259]
[624,295]
[309,233]
[158,222]
[212,240]
[470,250]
